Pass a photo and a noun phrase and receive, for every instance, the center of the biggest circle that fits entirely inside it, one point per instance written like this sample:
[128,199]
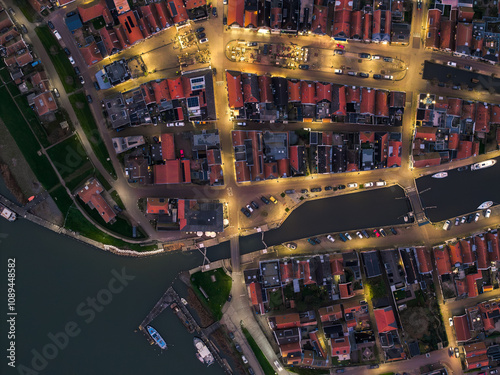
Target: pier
[171,299]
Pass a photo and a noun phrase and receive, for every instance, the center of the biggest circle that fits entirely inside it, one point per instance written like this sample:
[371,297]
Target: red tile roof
[367,27]
[443,264]
[330,313]
[251,18]
[481,253]
[284,167]
[45,103]
[495,114]
[91,194]
[426,133]
[394,154]
[482,118]
[346,290]
[382,105]
[175,88]
[89,11]
[276,13]
[467,254]
[472,284]
[122,36]
[454,106]
[163,15]
[353,94]
[167,146]
[177,7]
[453,141]
[157,206]
[234,89]
[254,290]
[121,6]
[424,260]
[341,111]
[323,92]
[462,331]
[307,272]
[434,18]
[130,27]
[286,272]
[191,4]
[287,321]
[242,171]
[477,362]
[294,91]
[151,17]
[367,101]
[110,40]
[271,170]
[494,245]
[342,23]
[320,15]
[356,24]
[489,310]
[337,266]
[235,12]
[385,319]
[293,151]
[455,253]
[465,14]
[447,35]
[366,136]
[307,92]
[426,160]
[266,95]
[463,35]
[91,54]
[377,19]
[340,347]
[161,91]
[168,173]
[464,149]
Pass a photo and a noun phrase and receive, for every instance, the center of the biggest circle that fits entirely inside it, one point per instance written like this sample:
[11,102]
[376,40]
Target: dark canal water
[460,192]
[55,276]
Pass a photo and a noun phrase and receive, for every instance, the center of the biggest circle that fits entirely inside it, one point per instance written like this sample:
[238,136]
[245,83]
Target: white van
[380,183]
[446,225]
[58,36]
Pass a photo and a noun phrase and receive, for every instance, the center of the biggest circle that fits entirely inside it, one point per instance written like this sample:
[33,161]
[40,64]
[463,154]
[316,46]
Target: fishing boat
[203,354]
[156,336]
[485,205]
[483,164]
[440,175]
[7,214]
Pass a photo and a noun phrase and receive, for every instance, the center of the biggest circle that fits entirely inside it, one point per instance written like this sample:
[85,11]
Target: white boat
[485,205]
[7,214]
[440,175]
[483,164]
[203,354]
[184,301]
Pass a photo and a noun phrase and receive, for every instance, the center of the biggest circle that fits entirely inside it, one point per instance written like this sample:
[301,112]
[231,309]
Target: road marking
[230,191]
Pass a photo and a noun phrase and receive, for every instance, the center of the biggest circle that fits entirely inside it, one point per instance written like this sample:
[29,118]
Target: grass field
[117,199]
[59,59]
[62,199]
[217,291]
[28,11]
[89,126]
[75,181]
[26,141]
[264,363]
[33,120]
[4,74]
[69,156]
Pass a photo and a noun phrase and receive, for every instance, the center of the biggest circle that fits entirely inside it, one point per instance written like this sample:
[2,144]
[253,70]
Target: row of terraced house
[379,22]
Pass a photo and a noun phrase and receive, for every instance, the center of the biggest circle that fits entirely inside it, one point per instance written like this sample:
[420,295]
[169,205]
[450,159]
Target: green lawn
[98,22]
[308,371]
[264,363]
[4,74]
[217,291]
[117,199]
[26,141]
[28,11]
[59,59]
[69,157]
[62,199]
[375,287]
[33,120]
[275,299]
[89,126]
[74,182]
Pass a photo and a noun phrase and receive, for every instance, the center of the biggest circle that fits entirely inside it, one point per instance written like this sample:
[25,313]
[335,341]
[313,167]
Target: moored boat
[203,354]
[485,205]
[483,164]
[7,214]
[157,338]
[184,301]
[440,175]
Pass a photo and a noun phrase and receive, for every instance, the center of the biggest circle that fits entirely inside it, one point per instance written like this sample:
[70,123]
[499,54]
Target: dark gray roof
[205,217]
[287,336]
[371,263]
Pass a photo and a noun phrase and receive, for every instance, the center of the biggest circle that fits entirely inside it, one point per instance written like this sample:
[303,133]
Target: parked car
[229,298]
[56,93]
[450,320]
[380,183]
[388,77]
[376,57]
[291,245]
[358,233]
[311,241]
[204,40]
[342,237]
[238,348]
[199,30]
[341,187]
[494,371]
[452,63]
[89,99]
[364,55]
[487,213]
[388,59]
[51,25]
[82,80]
[330,238]
[252,44]
[249,208]
[327,188]
[339,371]
[477,216]
[419,5]
[96,86]
[351,73]
[341,46]
[368,184]
[371,367]
[468,67]
[463,220]
[464,168]
[265,200]
[377,234]
[245,212]
[304,66]
[352,185]
[57,35]
[457,221]
[338,71]
[339,52]
[214,11]
[348,236]
[77,70]
[446,225]
[316,190]
[365,233]
[274,200]
[470,218]
[364,75]
[251,371]
[24,30]
[457,352]
[231,335]
[377,76]
[382,232]
[394,231]
[254,205]
[278,365]
[304,191]
[202,35]
[71,60]
[67,51]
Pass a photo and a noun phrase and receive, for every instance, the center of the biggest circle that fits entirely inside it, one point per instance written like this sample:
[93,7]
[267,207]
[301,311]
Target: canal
[459,193]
